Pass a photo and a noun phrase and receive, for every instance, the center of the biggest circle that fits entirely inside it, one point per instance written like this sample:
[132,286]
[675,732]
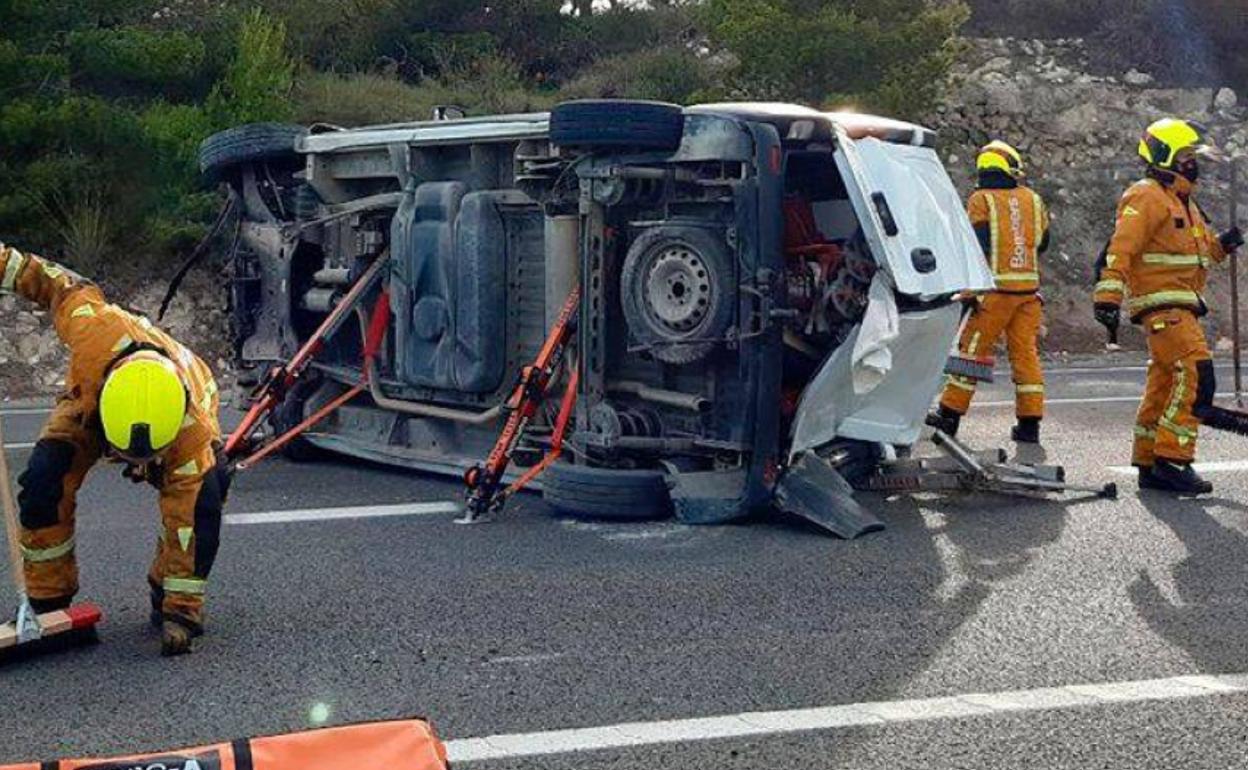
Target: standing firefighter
[1159,254]
[1012,223]
[137,396]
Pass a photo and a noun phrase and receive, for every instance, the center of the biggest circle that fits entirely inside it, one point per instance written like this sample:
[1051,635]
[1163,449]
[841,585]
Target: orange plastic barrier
[408,744]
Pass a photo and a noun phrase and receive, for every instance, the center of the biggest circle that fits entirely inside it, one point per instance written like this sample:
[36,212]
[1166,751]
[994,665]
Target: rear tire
[290,413]
[617,123]
[582,492]
[257,142]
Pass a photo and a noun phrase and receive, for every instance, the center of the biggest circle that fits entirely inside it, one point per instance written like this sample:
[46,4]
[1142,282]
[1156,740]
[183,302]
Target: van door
[913,218]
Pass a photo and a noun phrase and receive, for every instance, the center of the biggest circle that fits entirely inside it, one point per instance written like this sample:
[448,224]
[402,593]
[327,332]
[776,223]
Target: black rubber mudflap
[813,490]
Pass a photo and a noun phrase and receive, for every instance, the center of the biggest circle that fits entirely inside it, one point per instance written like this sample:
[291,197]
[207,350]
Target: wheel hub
[678,289]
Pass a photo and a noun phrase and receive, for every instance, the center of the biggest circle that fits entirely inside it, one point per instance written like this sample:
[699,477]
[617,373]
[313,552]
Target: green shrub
[360,99]
[430,53]
[339,34]
[84,225]
[127,58]
[672,73]
[492,84]
[257,84]
[887,54]
[22,72]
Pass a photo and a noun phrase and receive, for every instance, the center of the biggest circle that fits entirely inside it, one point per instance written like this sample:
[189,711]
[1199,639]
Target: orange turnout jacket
[1161,250]
[1017,221]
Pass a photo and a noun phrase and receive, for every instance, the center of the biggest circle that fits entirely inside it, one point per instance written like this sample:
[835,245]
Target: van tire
[698,259]
[289,413]
[252,143]
[605,494]
[617,123]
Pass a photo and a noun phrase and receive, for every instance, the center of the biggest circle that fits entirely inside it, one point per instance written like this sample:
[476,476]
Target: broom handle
[1236,350]
[10,520]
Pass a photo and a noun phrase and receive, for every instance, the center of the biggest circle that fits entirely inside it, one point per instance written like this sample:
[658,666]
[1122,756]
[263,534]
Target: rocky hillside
[1078,129]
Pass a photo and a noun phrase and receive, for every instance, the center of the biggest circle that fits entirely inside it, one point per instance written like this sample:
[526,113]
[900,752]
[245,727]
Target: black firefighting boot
[175,638]
[1027,431]
[945,420]
[1179,478]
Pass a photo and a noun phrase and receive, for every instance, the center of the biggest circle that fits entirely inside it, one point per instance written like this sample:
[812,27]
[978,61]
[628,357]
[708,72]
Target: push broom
[30,633]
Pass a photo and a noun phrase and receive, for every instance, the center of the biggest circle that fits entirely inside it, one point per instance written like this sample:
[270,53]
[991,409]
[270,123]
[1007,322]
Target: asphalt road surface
[977,631]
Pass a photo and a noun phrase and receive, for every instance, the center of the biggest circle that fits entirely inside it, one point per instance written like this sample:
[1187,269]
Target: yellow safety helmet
[142,405]
[1000,156]
[1164,140]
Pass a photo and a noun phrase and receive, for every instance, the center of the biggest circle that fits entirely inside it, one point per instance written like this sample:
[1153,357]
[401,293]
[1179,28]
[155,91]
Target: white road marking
[1089,400]
[1225,466]
[352,512]
[26,410]
[765,723]
[1005,373]
[21,445]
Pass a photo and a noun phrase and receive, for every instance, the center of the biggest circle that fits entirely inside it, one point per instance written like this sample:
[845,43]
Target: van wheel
[290,413]
[677,288]
[582,492]
[592,123]
[221,152]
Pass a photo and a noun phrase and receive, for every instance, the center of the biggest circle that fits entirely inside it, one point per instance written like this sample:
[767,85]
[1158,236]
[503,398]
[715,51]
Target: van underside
[725,264]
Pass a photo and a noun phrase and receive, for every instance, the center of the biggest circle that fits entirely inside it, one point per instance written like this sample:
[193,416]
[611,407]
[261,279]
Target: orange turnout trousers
[1179,361]
[191,483]
[1018,316]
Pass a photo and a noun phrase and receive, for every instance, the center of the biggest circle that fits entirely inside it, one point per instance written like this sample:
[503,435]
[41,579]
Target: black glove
[144,474]
[1231,240]
[1107,315]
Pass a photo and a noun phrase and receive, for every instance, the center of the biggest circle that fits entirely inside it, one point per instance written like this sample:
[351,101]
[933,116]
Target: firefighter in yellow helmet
[1157,260]
[1012,222]
[136,396]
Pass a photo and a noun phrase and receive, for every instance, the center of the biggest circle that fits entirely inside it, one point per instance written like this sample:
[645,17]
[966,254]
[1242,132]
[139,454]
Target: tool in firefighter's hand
[485,490]
[980,371]
[273,389]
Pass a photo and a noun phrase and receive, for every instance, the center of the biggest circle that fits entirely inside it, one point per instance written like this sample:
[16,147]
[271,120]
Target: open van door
[916,226]
[912,216]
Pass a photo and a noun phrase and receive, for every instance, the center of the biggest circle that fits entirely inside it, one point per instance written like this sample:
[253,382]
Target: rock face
[1078,132]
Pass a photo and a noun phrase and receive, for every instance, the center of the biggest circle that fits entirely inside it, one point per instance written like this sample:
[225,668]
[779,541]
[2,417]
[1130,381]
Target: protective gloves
[1231,240]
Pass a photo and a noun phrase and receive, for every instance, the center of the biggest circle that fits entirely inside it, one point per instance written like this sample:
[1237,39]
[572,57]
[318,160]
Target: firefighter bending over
[1158,257]
[135,396]
[1012,223]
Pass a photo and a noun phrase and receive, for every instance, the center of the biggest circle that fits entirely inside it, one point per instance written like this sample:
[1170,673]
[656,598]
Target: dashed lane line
[352,512]
[768,723]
